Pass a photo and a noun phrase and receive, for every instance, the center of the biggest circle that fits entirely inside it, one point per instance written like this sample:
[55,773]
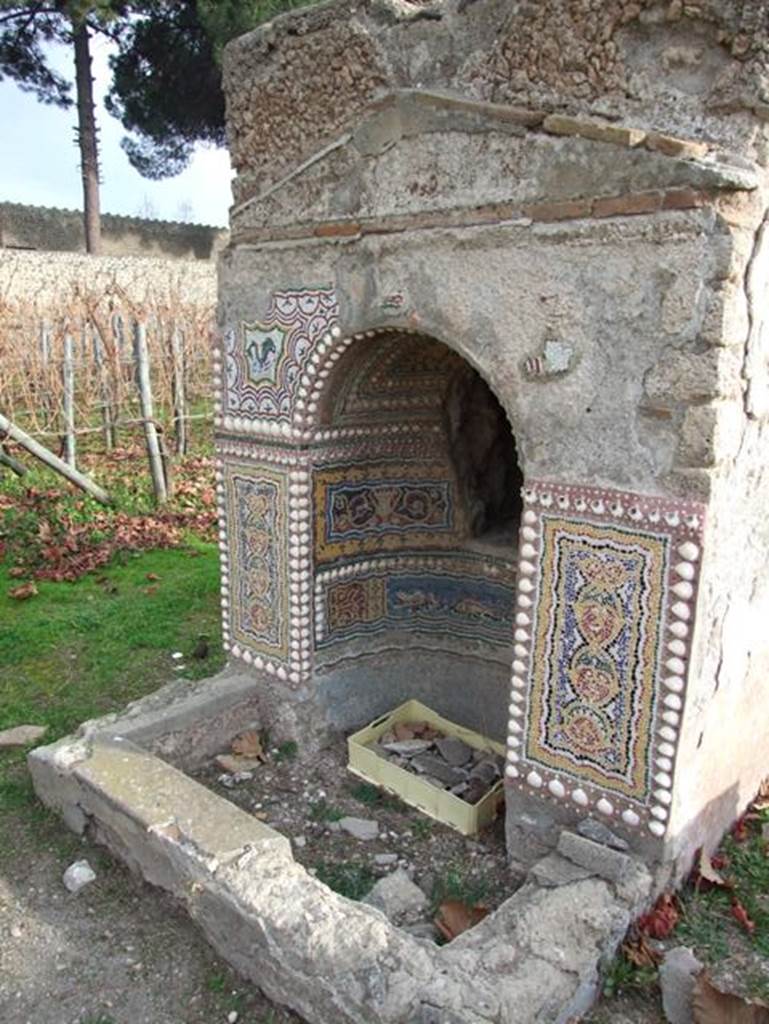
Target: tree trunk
[87,140]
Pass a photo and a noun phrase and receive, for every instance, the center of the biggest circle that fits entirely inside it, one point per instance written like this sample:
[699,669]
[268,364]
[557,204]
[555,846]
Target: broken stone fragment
[454,750]
[396,896]
[430,764]
[360,828]
[599,833]
[78,876]
[383,859]
[408,748]
[486,771]
[476,790]
[22,735]
[677,974]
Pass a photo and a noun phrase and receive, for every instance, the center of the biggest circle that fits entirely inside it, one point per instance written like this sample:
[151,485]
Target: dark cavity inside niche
[485,459]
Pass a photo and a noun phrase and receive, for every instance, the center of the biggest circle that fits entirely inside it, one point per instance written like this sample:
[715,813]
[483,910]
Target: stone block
[396,896]
[555,870]
[597,131]
[677,975]
[21,735]
[598,859]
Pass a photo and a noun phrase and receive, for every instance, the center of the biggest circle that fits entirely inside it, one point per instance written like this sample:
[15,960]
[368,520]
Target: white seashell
[511,771]
[679,629]
[526,586]
[664,780]
[519,666]
[534,779]
[664,763]
[677,647]
[529,516]
[528,534]
[683,589]
[528,551]
[663,796]
[527,568]
[689,551]
[681,610]
[656,828]
[659,812]
[631,818]
[579,796]
[676,666]
[667,733]
[557,788]
[671,717]
[521,634]
[685,571]
[514,727]
[666,749]
[604,807]
[513,741]
[516,698]
[524,601]
[673,701]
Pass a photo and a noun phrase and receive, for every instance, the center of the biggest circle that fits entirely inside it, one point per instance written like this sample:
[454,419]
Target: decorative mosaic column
[607,589]
[263,374]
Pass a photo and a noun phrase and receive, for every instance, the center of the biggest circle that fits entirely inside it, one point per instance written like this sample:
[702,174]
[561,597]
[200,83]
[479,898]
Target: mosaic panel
[384,506]
[263,360]
[607,585]
[457,598]
[397,374]
[256,512]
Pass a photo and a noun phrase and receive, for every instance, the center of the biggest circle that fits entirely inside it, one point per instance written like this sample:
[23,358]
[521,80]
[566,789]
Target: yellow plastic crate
[437,803]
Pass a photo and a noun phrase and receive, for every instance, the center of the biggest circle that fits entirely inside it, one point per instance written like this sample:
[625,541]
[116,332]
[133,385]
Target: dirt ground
[117,952]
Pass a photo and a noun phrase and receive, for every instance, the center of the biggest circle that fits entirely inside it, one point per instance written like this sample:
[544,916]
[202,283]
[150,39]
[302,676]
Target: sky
[39,161]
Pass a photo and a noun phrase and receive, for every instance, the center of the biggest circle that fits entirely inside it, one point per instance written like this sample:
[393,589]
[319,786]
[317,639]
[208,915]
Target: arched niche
[416,487]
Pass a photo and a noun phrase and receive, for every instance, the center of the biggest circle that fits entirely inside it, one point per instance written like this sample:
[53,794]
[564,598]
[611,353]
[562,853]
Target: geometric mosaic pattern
[607,591]
[263,360]
[256,512]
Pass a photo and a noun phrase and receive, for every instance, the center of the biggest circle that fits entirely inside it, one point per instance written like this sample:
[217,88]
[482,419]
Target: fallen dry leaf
[740,830]
[26,590]
[455,917]
[17,571]
[712,1006]
[150,590]
[661,919]
[761,803]
[152,577]
[248,744]
[641,953]
[706,873]
[742,917]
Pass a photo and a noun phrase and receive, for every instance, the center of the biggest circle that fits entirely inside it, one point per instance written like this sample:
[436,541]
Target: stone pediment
[415,156]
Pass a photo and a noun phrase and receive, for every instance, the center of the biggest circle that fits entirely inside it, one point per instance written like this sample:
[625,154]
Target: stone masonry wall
[52,230]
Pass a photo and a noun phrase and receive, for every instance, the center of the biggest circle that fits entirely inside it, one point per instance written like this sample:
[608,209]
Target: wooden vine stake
[12,432]
[154,453]
[68,379]
[179,397]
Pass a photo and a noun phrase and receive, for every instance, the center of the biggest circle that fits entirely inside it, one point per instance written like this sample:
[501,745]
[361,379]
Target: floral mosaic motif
[596,652]
[434,602]
[607,588]
[256,502]
[264,359]
[383,506]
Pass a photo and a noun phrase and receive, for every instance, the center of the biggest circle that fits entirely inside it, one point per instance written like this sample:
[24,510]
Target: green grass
[287,751]
[321,810]
[352,879]
[80,650]
[372,796]
[458,884]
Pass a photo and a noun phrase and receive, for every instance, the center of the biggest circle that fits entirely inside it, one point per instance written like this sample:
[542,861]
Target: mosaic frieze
[258,543]
[384,506]
[607,583]
[455,597]
[263,359]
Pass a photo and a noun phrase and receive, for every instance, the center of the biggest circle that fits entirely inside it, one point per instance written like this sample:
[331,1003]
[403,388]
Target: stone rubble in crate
[445,762]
